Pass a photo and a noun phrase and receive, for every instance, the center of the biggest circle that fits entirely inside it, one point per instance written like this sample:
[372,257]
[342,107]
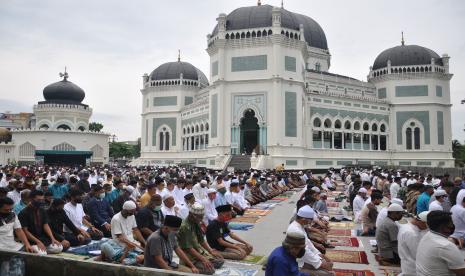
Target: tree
[119,150]
[458,152]
[94,126]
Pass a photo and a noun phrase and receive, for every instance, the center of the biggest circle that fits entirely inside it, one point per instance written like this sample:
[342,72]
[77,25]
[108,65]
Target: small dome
[5,135]
[260,16]
[64,92]
[406,55]
[173,70]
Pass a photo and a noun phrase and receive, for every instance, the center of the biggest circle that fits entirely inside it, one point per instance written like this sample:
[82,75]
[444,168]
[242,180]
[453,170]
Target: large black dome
[64,92]
[173,70]
[260,16]
[406,55]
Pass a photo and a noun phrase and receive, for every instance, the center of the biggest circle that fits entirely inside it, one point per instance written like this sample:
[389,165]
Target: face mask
[157,208]
[101,196]
[38,204]
[301,253]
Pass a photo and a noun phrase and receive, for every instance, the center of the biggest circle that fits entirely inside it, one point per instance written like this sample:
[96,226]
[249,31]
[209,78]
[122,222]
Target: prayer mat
[85,249]
[245,219]
[72,256]
[344,241]
[235,271]
[239,226]
[382,263]
[257,212]
[332,204]
[254,259]
[350,272]
[342,225]
[342,256]
[340,232]
[391,271]
[280,198]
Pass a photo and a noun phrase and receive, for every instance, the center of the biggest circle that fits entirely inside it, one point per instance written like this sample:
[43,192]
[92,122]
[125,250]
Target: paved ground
[268,234]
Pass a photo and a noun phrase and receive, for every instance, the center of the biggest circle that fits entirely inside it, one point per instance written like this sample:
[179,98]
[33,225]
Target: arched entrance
[249,133]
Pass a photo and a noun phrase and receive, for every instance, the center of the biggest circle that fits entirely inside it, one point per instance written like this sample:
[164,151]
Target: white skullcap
[316,189]
[422,216]
[268,179]
[203,181]
[395,208]
[323,194]
[362,190]
[429,185]
[235,181]
[129,189]
[397,201]
[440,193]
[129,205]
[197,209]
[166,196]
[306,212]
[211,190]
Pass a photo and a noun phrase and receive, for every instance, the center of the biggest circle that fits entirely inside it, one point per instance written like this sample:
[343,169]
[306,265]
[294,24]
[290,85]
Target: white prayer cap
[395,208]
[129,205]
[129,189]
[323,194]
[422,216]
[362,190]
[203,181]
[397,201]
[306,212]
[235,180]
[428,185]
[166,196]
[197,209]
[440,193]
[316,189]
[268,179]
[211,191]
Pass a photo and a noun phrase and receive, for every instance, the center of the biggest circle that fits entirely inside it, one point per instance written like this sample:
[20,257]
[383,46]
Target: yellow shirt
[144,199]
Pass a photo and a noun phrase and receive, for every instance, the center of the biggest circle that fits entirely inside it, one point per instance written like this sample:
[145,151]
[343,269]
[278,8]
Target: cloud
[108,45]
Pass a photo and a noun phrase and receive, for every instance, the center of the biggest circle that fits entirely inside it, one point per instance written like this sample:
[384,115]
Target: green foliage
[120,150]
[94,126]
[458,152]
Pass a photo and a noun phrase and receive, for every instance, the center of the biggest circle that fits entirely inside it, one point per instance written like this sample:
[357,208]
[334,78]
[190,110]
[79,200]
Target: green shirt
[190,236]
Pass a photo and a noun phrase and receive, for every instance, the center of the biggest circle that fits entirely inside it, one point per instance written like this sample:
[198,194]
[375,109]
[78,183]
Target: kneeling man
[218,230]
[161,244]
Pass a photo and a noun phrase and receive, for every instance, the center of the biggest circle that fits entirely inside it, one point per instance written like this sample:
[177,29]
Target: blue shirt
[111,196]
[58,190]
[19,206]
[423,202]
[282,263]
[220,200]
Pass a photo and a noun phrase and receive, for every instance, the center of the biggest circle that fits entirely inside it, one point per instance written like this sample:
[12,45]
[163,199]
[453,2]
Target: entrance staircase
[240,162]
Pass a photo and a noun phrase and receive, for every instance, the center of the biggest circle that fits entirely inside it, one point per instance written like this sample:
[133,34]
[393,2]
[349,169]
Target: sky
[107,45]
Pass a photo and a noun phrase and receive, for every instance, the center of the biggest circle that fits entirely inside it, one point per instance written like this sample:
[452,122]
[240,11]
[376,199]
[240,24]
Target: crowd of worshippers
[434,208]
[147,214]
[304,248]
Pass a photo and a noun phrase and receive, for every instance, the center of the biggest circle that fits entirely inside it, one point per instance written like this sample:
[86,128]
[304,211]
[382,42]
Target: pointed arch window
[164,139]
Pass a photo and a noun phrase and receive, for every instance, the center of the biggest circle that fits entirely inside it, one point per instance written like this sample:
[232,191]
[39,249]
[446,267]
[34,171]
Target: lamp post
[112,138]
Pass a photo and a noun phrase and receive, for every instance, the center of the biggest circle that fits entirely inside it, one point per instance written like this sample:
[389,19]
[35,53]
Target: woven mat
[332,204]
[245,219]
[255,259]
[341,225]
[343,256]
[350,272]
[340,232]
[391,271]
[240,226]
[257,212]
[344,241]
[235,271]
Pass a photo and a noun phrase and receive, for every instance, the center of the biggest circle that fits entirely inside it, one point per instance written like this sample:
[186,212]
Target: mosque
[270,99]
[59,134]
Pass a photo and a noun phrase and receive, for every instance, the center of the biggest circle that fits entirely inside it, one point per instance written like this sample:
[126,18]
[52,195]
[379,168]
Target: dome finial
[259,3]
[64,75]
[282,4]
[402,41]
[179,55]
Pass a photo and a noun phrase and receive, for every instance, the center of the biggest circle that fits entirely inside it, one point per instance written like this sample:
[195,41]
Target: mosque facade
[59,134]
[271,98]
